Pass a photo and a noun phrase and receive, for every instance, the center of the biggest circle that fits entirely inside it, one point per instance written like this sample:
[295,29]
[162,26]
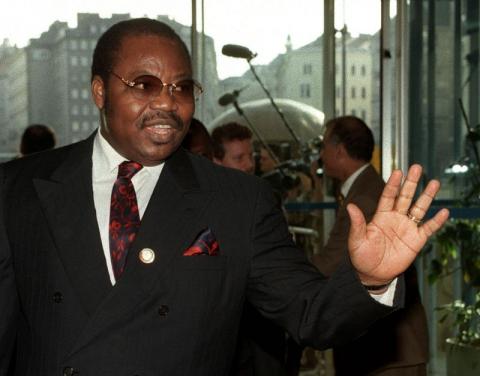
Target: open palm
[385,247]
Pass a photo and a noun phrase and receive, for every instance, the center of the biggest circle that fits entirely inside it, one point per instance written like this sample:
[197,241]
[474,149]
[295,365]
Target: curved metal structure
[306,121]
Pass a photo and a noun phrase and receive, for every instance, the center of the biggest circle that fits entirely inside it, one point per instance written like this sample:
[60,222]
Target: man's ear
[98,92]
[217,161]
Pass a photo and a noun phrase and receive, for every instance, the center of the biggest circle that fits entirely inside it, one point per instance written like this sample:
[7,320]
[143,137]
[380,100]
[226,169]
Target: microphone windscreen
[226,99]
[234,50]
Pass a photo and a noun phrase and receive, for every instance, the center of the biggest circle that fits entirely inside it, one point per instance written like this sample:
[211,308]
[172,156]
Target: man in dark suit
[400,341]
[125,255]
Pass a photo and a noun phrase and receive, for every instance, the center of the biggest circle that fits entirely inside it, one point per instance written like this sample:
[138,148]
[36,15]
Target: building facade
[49,80]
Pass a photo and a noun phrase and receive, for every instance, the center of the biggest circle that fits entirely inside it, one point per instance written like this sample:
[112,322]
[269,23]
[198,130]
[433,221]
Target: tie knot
[128,168]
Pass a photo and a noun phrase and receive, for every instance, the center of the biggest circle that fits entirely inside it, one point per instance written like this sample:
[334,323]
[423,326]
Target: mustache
[170,118]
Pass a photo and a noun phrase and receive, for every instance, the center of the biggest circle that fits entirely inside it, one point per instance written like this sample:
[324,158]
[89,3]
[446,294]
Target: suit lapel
[175,214]
[67,201]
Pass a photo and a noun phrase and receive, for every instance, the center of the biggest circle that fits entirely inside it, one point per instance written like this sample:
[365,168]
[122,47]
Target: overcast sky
[261,25]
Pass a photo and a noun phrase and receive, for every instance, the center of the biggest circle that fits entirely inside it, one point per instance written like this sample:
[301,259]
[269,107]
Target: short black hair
[197,129]
[354,134]
[35,138]
[108,46]
[226,133]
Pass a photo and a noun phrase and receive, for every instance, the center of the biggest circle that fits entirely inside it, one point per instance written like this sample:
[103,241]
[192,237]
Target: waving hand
[385,247]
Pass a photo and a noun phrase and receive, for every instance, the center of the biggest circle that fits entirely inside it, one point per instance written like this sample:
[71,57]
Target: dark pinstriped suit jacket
[176,316]
[399,340]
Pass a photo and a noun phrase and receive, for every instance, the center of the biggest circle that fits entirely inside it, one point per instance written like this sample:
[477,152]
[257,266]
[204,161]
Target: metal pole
[329,59]
[344,70]
[386,136]
[401,76]
[203,67]
[193,38]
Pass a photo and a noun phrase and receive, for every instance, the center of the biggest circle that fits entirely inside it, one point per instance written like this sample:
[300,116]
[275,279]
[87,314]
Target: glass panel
[45,56]
[357,60]
[285,40]
[443,77]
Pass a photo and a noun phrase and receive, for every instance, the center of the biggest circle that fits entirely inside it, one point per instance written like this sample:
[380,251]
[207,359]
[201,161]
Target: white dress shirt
[387,297]
[105,161]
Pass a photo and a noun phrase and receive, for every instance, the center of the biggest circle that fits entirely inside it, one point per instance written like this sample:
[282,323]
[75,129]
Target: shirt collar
[351,179]
[107,159]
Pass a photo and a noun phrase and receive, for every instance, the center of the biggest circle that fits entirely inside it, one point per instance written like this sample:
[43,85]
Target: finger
[433,225]
[390,192]
[409,186]
[420,207]
[358,226]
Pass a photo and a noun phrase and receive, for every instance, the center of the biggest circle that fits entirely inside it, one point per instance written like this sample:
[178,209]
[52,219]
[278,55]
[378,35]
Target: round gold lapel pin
[147,255]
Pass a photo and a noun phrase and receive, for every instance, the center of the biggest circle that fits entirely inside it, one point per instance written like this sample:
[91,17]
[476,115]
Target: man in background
[262,344]
[397,345]
[198,140]
[233,147]
[36,138]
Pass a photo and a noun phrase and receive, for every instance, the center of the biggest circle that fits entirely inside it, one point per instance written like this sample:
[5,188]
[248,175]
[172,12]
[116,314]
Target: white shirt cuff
[387,297]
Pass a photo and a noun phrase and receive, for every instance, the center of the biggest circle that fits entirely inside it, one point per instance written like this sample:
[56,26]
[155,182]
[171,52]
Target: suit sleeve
[286,288]
[8,294]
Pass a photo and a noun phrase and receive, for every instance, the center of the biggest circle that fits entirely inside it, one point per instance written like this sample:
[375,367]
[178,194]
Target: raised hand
[385,247]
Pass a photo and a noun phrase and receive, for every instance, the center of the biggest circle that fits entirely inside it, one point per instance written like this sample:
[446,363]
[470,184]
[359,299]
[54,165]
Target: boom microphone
[234,50]
[226,99]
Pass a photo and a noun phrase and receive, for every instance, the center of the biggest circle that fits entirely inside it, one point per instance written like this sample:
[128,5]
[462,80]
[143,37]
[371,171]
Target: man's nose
[165,100]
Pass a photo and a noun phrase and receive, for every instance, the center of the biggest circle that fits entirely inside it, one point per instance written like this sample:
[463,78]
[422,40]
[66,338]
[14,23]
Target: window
[354,93]
[85,126]
[73,61]
[84,61]
[73,44]
[74,109]
[86,110]
[364,92]
[307,68]
[363,70]
[354,112]
[75,126]
[352,70]
[74,93]
[364,115]
[84,44]
[338,92]
[305,90]
[85,93]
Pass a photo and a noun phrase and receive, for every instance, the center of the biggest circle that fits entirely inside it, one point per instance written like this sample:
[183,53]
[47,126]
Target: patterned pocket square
[205,244]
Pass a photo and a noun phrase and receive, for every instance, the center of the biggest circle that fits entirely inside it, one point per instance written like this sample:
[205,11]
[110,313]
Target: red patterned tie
[124,217]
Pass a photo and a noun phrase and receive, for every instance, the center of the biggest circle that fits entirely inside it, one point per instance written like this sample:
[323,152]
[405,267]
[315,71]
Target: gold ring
[414,219]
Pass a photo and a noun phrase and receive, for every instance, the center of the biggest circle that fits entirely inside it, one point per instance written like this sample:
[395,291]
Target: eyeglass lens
[148,86]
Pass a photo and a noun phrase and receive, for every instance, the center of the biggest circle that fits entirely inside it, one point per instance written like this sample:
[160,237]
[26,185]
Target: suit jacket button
[70,371]
[57,297]
[163,310]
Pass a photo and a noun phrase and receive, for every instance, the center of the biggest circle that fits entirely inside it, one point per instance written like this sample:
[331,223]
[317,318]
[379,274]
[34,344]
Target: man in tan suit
[397,345]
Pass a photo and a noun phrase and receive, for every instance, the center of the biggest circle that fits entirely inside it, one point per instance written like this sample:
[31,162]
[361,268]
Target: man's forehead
[237,144]
[141,45]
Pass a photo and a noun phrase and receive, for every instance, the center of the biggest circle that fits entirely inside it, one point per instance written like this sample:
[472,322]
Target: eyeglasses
[148,87]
